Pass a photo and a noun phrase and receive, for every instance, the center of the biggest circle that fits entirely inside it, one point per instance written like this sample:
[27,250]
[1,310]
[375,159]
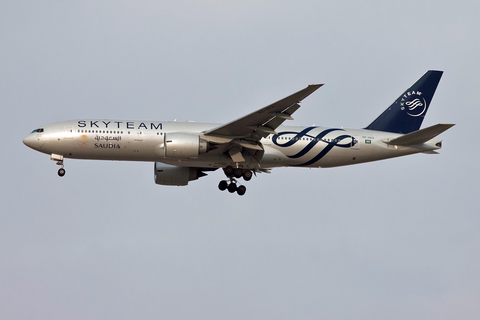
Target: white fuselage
[144,141]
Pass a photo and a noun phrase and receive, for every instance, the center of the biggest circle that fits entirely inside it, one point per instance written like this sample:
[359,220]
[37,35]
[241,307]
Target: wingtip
[449,125]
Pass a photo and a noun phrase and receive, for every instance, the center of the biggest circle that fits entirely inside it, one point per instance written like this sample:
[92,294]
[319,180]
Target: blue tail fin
[406,114]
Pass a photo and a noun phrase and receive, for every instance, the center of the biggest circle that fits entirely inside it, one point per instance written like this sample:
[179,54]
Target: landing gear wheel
[223,185]
[247,175]
[237,173]
[232,187]
[61,172]
[228,171]
[241,190]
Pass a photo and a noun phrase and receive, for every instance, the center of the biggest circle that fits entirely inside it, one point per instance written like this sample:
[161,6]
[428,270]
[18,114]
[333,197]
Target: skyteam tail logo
[285,140]
[414,103]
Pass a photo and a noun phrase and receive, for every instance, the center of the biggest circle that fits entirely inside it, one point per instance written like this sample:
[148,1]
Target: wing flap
[279,117]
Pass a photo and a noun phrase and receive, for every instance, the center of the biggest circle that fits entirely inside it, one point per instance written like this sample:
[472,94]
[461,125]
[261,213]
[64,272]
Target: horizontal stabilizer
[420,136]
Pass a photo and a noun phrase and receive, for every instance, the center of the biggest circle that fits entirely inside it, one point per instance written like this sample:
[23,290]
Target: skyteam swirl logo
[285,139]
[414,103]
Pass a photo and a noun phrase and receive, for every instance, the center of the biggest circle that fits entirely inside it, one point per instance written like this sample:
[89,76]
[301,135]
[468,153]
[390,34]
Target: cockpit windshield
[38,130]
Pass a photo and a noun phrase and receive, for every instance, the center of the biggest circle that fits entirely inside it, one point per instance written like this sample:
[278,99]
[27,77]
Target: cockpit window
[38,130]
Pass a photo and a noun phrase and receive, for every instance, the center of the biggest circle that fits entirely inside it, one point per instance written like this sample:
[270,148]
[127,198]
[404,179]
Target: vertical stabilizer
[406,114]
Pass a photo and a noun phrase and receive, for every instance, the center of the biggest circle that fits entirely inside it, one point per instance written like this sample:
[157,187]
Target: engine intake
[184,145]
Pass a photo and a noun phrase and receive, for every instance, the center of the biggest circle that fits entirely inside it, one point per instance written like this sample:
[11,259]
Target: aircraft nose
[30,141]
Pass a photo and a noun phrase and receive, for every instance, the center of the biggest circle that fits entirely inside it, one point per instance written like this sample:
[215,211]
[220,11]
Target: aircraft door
[139,135]
[68,132]
[355,144]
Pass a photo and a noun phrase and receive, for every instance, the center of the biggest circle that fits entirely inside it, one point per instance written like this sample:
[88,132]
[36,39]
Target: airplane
[256,143]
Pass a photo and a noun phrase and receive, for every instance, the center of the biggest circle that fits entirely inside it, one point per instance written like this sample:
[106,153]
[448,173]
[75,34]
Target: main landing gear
[233,174]
[59,159]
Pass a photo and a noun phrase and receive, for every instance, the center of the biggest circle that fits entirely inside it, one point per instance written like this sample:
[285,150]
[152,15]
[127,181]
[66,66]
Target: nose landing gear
[233,174]
[59,159]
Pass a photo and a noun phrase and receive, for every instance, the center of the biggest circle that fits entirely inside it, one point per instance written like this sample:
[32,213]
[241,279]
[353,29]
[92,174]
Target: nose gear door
[68,132]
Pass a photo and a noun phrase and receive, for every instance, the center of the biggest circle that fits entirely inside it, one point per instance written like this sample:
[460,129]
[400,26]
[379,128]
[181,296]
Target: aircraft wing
[262,122]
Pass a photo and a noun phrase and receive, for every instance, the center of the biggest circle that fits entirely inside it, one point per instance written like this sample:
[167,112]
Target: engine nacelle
[169,175]
[180,145]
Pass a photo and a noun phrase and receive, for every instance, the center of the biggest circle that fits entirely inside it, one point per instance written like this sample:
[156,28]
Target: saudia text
[107,145]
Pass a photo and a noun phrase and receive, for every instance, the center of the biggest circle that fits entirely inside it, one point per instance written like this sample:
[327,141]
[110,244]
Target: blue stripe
[316,139]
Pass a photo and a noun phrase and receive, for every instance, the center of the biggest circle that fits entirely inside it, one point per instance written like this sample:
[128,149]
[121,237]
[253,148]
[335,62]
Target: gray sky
[395,239]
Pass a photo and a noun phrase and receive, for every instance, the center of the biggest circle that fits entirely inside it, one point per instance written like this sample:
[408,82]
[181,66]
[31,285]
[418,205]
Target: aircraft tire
[223,185]
[61,172]
[247,175]
[241,190]
[232,187]
[228,171]
[237,173]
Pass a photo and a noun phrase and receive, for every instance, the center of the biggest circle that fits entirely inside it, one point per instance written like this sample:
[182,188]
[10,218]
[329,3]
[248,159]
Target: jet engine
[169,175]
[180,145]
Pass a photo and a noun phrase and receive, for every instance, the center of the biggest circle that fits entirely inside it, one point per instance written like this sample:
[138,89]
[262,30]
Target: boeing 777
[257,142]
